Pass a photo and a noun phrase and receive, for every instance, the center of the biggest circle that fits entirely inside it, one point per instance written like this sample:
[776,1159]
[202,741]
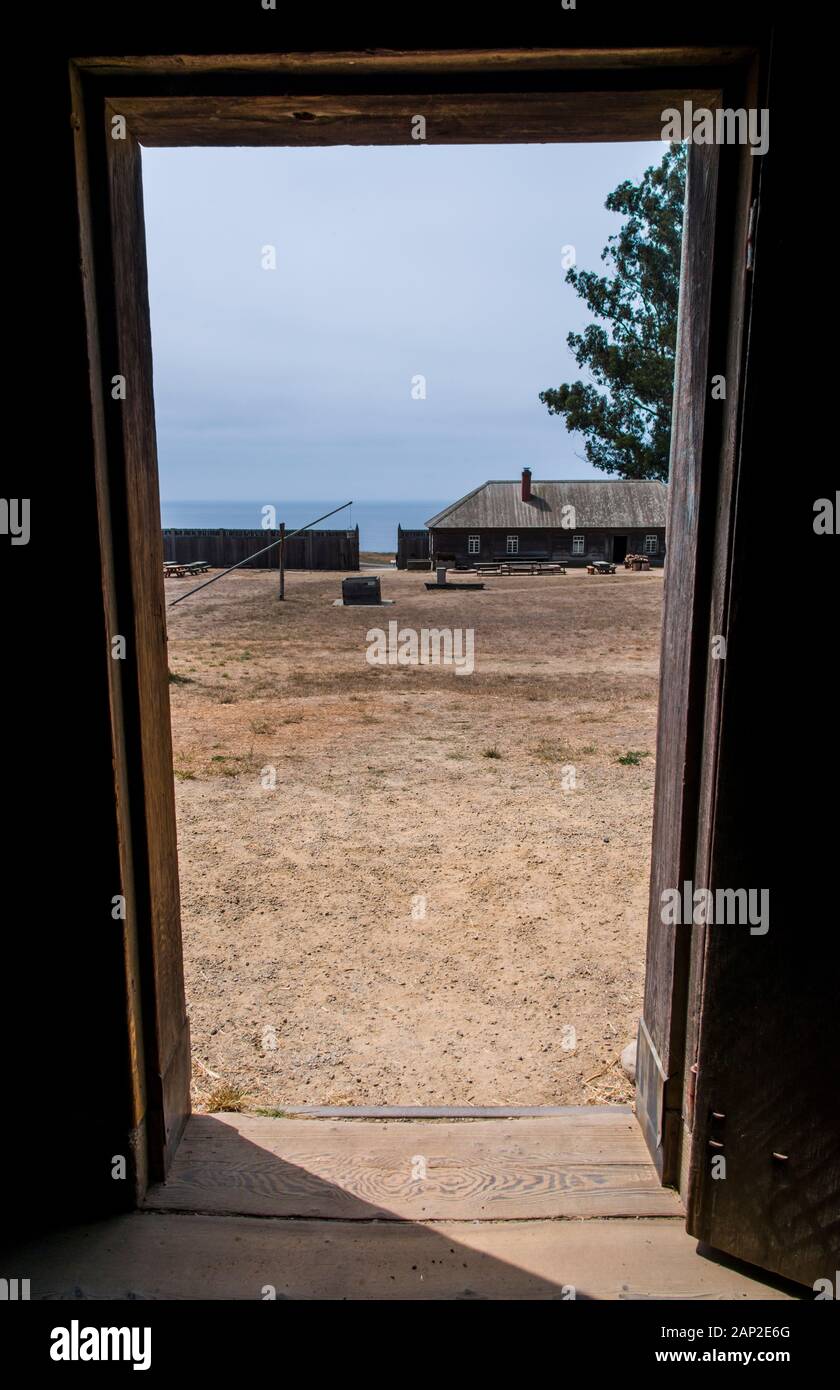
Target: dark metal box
[364,589]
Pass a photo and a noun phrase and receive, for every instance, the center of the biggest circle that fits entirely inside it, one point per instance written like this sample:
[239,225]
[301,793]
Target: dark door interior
[619,548]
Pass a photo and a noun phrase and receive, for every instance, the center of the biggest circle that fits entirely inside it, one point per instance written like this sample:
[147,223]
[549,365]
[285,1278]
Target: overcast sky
[440,261]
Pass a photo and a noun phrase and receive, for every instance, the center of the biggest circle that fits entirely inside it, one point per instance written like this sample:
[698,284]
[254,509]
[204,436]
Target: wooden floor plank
[151,1256]
[575,1165]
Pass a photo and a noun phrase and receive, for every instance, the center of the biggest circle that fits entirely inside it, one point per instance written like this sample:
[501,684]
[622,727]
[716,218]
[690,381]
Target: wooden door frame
[507,96]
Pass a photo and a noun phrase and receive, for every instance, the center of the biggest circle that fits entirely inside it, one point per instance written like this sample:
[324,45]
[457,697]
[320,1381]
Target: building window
[473,545]
[513,545]
[578,545]
[651,545]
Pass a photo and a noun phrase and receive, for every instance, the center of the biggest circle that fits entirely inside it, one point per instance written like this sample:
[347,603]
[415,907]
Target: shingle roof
[608,502]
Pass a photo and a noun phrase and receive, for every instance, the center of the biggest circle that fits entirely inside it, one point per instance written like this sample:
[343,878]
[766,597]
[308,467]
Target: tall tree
[624,412]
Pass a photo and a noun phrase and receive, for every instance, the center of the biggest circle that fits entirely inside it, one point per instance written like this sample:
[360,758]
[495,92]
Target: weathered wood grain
[493,1169]
[462,118]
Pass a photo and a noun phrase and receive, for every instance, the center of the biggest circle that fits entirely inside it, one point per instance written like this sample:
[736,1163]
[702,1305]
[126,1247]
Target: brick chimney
[526,485]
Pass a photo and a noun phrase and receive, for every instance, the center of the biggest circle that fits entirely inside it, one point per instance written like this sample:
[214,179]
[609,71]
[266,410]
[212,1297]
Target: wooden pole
[282,559]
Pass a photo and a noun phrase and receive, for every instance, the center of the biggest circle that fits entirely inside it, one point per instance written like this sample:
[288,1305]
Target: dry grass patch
[225,1097]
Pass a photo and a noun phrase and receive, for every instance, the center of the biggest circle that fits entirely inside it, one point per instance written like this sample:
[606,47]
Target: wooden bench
[529,567]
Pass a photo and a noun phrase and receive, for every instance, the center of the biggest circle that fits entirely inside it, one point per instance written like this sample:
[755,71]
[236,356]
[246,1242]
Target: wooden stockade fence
[411,545]
[311,550]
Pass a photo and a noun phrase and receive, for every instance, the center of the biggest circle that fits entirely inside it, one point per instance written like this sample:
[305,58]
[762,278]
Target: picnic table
[519,567]
[175,569]
[600,567]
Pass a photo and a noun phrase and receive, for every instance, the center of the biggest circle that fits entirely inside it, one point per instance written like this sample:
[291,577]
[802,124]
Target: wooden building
[571,522]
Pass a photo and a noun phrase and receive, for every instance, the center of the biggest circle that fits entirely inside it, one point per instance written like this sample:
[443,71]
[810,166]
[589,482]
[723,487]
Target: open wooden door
[738,1075]
[763,1033]
[662,1030]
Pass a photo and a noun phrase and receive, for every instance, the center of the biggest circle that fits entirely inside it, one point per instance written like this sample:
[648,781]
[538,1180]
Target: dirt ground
[391,893]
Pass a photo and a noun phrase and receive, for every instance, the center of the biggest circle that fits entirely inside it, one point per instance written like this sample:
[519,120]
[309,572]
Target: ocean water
[377,521]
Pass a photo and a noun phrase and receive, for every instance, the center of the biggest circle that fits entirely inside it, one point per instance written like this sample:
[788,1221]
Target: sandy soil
[417,912]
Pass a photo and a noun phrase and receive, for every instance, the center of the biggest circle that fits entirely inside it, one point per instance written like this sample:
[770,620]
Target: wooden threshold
[444,1112]
[582,1164]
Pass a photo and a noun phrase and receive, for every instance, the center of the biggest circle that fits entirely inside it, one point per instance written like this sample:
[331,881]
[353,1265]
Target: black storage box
[361,590]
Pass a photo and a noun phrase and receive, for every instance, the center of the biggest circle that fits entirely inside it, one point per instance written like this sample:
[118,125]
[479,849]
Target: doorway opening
[374,907]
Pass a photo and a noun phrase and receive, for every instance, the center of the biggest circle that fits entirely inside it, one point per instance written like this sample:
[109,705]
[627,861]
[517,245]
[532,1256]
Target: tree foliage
[624,412]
